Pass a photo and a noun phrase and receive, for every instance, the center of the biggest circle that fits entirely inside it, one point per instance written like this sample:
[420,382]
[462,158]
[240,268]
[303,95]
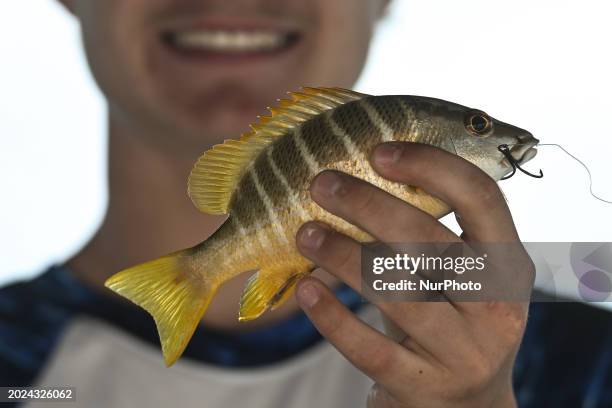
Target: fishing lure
[262,181]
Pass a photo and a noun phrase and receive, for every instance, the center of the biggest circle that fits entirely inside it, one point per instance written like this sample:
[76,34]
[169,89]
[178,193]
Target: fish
[262,181]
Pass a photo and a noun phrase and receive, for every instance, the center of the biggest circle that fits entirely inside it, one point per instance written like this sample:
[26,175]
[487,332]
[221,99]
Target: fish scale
[262,181]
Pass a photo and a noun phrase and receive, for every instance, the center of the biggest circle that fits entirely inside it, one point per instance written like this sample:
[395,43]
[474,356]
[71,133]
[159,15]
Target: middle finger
[383,215]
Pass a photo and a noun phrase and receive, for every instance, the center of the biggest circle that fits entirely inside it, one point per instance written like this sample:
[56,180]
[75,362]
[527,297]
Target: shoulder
[566,356]
[31,321]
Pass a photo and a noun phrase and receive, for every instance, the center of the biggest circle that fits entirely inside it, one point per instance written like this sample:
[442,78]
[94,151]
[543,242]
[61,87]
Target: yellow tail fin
[174,295]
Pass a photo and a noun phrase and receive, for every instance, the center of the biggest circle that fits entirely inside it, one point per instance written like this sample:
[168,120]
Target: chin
[232,119]
[211,114]
[202,131]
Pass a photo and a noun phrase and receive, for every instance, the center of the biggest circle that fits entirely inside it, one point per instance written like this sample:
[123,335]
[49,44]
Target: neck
[149,213]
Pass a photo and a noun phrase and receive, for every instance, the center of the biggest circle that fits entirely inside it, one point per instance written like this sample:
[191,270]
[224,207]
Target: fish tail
[172,292]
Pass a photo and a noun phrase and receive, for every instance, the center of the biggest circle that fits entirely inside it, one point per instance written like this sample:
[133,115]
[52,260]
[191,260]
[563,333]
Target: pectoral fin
[266,290]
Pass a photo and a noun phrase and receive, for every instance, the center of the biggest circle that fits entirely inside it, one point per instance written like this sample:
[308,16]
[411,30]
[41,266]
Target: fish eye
[479,123]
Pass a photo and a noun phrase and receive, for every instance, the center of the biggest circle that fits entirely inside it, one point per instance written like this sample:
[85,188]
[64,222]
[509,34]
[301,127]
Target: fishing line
[513,162]
[583,165]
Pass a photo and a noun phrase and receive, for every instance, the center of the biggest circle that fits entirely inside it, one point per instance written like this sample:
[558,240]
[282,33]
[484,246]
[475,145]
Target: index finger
[475,197]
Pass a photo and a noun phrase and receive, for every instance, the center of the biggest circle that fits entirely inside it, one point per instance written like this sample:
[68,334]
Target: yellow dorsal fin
[217,172]
[302,106]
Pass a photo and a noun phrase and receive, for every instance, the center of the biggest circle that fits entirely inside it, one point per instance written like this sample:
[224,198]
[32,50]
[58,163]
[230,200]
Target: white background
[542,65]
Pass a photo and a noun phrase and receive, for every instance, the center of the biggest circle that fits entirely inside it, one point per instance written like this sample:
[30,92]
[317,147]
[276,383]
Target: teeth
[233,41]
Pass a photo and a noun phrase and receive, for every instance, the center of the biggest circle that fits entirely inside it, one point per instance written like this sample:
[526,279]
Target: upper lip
[220,20]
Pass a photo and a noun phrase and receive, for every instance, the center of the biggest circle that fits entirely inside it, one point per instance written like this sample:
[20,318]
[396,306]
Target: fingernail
[388,153]
[329,184]
[312,237]
[307,295]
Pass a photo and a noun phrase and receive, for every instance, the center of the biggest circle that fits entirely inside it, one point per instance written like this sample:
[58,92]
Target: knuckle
[330,320]
[330,325]
[488,191]
[410,164]
[381,360]
[513,318]
[481,372]
[516,320]
[342,256]
[433,232]
[365,200]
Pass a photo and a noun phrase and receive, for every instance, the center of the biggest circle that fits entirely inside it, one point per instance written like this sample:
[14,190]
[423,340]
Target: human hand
[450,353]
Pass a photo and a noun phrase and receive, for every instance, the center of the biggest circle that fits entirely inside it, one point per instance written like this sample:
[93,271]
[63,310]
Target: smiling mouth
[231,42]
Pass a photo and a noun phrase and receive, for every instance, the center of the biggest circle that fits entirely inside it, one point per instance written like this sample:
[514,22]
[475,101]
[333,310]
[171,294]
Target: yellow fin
[266,290]
[286,291]
[171,293]
[303,105]
[217,172]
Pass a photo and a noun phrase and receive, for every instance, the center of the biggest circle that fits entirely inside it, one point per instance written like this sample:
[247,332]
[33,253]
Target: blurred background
[544,66]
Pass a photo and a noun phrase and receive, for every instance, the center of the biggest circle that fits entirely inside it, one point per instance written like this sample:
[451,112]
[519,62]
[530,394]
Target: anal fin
[285,291]
[266,290]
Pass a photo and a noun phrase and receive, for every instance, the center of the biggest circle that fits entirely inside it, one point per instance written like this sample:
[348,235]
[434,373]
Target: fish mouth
[523,152]
[528,155]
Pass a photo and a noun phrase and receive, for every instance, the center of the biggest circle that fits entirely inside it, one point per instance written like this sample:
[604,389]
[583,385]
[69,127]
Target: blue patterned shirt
[565,359]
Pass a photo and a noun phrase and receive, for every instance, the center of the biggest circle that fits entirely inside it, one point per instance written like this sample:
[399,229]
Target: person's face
[201,70]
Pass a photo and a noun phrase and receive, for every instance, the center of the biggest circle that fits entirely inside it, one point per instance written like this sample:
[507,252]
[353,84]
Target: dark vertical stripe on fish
[289,161]
[272,216]
[247,204]
[270,183]
[354,120]
[391,112]
[321,142]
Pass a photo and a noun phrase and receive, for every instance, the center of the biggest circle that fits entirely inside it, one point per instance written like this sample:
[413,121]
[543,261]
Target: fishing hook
[515,164]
